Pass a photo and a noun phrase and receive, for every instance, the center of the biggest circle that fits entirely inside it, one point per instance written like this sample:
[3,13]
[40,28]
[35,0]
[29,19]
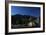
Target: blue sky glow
[32,11]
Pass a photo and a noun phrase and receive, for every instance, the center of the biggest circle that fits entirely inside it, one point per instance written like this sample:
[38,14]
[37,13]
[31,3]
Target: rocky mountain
[24,20]
[19,19]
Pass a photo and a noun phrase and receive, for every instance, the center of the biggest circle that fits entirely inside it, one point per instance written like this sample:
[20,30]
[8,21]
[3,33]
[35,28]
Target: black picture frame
[6,16]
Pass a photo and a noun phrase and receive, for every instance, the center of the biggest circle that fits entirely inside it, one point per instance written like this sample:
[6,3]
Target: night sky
[32,11]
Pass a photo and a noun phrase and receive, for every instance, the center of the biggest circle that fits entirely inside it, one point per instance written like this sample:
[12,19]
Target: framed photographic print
[24,17]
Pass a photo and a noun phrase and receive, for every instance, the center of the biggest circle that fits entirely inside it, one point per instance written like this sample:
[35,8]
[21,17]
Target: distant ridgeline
[24,19]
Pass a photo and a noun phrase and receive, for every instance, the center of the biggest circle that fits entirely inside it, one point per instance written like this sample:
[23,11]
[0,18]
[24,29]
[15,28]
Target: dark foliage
[22,19]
